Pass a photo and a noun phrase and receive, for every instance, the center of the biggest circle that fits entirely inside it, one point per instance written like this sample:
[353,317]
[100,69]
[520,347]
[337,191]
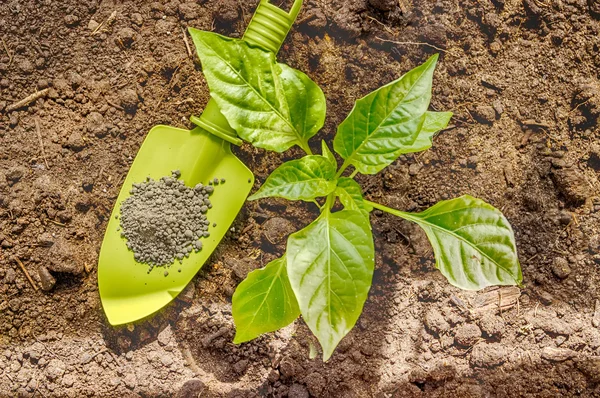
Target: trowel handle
[270,25]
[267,29]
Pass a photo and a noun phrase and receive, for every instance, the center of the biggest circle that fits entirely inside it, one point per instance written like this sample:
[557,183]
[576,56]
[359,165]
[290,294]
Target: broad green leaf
[387,120]
[434,122]
[308,178]
[350,195]
[330,266]
[473,242]
[325,151]
[270,105]
[264,302]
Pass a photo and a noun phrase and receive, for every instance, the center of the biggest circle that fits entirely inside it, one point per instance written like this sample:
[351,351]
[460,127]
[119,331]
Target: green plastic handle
[267,29]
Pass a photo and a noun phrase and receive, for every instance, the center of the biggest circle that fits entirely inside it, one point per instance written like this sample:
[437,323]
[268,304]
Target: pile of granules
[164,220]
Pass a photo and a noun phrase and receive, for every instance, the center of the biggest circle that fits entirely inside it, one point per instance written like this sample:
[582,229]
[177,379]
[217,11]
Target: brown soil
[522,78]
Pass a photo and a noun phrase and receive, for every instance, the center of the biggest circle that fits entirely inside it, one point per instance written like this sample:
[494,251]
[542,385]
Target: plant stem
[341,170]
[329,202]
[397,213]
[306,148]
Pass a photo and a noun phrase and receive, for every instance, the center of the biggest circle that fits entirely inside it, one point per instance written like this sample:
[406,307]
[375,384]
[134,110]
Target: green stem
[354,173]
[397,213]
[306,148]
[341,170]
[329,202]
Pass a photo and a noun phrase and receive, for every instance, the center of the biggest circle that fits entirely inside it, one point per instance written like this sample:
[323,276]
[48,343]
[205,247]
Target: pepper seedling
[326,272]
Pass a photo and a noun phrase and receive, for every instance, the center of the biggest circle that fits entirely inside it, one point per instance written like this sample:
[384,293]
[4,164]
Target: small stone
[560,268]
[61,258]
[75,141]
[26,66]
[165,336]
[45,240]
[126,37]
[557,354]
[485,114]
[71,20]
[92,25]
[467,335]
[498,107]
[137,19]
[129,100]
[240,366]
[46,279]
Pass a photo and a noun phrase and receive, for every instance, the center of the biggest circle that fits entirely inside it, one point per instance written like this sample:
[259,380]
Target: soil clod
[47,281]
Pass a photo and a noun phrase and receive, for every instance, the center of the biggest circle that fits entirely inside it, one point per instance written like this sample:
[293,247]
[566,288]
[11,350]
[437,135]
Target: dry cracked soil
[522,78]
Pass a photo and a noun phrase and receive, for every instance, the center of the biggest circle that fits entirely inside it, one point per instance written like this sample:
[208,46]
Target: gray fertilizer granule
[164,220]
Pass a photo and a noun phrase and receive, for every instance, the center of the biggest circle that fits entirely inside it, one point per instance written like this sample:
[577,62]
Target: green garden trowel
[128,292]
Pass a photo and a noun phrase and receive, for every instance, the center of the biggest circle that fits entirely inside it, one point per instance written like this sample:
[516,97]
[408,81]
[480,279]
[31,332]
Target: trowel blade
[128,292]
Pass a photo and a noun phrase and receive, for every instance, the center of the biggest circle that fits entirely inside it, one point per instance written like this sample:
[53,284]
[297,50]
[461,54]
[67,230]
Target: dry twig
[57,223]
[385,27]
[414,43]
[16,259]
[27,100]
[10,57]
[108,21]
[187,44]
[113,104]
[39,134]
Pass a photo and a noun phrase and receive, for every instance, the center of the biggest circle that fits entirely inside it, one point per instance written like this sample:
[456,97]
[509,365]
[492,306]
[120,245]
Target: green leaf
[330,267]
[305,179]
[386,121]
[270,105]
[264,302]
[350,195]
[325,151]
[473,242]
[434,122]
